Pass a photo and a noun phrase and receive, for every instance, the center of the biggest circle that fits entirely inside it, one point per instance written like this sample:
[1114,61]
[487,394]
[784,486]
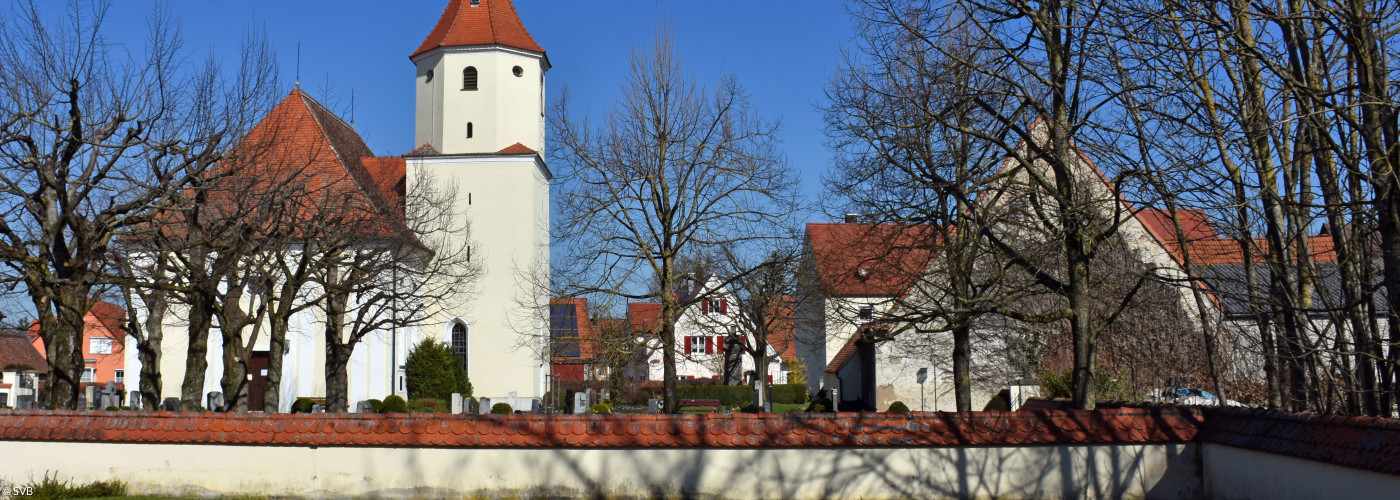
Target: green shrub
[424,405]
[501,409]
[112,408]
[788,393]
[394,404]
[52,488]
[433,371]
[303,405]
[1109,386]
[602,409]
[822,404]
[376,406]
[728,395]
[898,407]
[999,402]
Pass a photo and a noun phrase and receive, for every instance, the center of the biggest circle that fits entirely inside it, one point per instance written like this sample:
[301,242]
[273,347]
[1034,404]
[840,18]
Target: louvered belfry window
[469,78]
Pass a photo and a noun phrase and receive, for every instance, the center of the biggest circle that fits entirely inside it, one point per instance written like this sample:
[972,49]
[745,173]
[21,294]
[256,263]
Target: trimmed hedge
[729,396]
[502,409]
[788,393]
[898,407]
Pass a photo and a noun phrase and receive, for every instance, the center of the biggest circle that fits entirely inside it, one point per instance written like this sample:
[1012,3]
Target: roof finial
[298,82]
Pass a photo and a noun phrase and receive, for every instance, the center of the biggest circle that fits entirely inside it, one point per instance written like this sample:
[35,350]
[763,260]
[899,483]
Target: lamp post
[921,376]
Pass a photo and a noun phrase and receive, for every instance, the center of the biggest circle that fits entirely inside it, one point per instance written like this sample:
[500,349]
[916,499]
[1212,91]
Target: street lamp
[921,376]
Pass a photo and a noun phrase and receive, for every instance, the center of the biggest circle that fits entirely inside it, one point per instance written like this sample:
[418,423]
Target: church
[480,126]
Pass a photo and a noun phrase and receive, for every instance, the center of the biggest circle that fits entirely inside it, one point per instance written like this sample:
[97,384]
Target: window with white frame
[89,374]
[697,344]
[100,345]
[119,376]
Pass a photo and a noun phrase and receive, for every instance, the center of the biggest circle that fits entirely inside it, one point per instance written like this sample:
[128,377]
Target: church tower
[479,127]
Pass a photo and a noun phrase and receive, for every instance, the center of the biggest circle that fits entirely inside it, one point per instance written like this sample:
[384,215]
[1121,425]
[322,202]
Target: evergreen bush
[728,395]
[501,409]
[434,371]
[303,405]
[376,406]
[394,404]
[898,407]
[602,409]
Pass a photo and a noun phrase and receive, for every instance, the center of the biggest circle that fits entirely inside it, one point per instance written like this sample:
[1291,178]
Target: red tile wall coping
[1367,443]
[1128,425]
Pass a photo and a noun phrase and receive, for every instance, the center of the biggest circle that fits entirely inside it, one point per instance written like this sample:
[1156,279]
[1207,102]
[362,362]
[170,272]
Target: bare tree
[390,266]
[92,141]
[673,170]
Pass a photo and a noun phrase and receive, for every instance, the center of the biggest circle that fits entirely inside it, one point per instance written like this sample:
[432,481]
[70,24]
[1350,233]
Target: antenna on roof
[298,84]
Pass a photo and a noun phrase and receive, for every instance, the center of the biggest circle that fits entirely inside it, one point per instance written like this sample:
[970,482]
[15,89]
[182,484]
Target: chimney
[851,218]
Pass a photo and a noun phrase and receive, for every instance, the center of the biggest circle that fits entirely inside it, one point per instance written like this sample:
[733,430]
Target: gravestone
[214,400]
[318,409]
[653,406]
[364,407]
[170,404]
[135,399]
[485,406]
[535,406]
[4,400]
[605,395]
[456,403]
[580,403]
[470,406]
[108,400]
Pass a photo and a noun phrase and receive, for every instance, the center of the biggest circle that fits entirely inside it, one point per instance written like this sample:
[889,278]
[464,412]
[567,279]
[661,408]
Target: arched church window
[459,342]
[469,78]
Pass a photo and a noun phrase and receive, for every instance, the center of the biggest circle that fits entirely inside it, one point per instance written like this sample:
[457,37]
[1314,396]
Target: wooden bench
[712,403]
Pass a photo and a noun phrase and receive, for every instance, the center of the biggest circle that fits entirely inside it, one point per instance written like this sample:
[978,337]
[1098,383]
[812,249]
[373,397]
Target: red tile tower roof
[479,22]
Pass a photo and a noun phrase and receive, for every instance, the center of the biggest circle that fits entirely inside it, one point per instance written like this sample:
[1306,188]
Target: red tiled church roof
[493,22]
[516,149]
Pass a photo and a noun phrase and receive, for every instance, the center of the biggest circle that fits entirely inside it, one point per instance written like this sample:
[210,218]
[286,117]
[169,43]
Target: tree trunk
[234,382]
[61,336]
[196,362]
[276,349]
[962,365]
[337,350]
[149,352]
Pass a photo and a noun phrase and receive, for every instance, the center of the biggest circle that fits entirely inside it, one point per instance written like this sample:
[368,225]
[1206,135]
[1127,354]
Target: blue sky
[781,51]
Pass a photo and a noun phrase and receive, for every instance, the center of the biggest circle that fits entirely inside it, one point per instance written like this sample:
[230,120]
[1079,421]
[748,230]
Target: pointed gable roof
[300,140]
[492,22]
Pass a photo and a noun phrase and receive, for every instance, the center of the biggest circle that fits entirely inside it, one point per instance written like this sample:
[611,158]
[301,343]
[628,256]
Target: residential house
[22,368]
[872,284]
[103,346]
[577,342]
[707,334]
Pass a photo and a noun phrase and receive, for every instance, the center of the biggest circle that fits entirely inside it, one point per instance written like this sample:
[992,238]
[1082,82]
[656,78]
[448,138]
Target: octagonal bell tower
[479,130]
[480,82]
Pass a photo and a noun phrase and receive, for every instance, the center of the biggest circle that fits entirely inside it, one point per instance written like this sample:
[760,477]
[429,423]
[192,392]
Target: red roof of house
[17,352]
[644,317]
[588,333]
[870,259]
[1194,223]
[1225,251]
[492,22]
[112,316]
[783,338]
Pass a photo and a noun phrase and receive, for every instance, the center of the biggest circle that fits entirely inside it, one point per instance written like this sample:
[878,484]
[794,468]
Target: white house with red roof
[702,338]
[869,279]
[479,127]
